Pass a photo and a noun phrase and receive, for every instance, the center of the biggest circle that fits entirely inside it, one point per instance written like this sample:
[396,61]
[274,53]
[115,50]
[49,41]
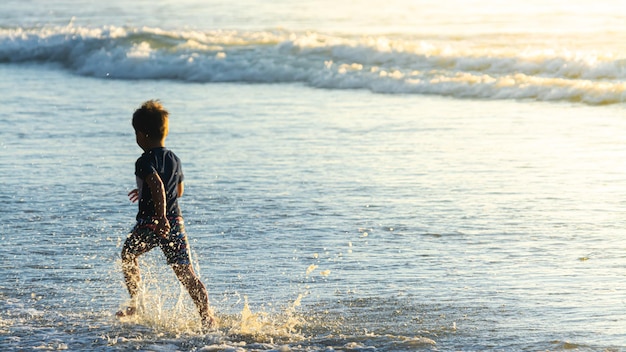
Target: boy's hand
[133,195]
[163,227]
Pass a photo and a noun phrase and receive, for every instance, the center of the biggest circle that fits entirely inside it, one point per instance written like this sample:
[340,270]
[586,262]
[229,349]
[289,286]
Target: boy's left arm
[157,189]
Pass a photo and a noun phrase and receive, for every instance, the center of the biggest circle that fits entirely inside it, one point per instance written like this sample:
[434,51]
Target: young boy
[159,220]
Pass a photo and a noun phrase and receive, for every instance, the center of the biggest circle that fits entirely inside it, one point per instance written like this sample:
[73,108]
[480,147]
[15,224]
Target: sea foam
[462,68]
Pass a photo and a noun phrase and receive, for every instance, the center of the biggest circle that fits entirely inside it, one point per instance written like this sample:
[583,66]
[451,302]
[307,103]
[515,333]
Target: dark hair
[152,119]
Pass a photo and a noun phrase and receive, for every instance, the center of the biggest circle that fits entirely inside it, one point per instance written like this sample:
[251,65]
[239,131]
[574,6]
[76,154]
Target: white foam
[458,68]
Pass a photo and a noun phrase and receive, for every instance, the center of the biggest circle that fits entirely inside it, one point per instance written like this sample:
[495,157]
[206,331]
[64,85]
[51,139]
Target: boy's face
[146,143]
[142,140]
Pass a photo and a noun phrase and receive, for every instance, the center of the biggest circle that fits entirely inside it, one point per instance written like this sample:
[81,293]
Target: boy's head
[151,121]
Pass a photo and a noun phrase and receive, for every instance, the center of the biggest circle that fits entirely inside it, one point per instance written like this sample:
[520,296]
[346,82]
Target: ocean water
[359,177]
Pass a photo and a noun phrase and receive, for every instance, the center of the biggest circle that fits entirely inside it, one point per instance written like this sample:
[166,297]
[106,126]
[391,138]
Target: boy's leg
[197,291]
[132,276]
[136,244]
[176,250]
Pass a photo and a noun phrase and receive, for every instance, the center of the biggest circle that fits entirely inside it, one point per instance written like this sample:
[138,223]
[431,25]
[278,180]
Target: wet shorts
[143,238]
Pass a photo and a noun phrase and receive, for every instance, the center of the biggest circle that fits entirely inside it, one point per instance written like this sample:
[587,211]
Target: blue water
[470,198]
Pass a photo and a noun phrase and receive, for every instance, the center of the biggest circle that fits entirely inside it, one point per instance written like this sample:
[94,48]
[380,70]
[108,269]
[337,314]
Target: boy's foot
[209,324]
[129,311]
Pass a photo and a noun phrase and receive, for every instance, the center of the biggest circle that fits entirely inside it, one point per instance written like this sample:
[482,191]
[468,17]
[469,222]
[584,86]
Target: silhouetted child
[159,220]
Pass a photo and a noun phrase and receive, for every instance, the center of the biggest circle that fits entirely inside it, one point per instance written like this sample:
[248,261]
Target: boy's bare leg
[132,277]
[197,291]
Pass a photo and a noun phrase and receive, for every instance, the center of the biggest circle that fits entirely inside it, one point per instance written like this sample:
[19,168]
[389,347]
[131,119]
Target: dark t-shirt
[167,165]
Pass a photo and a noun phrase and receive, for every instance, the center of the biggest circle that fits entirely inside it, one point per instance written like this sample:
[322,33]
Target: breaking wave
[461,67]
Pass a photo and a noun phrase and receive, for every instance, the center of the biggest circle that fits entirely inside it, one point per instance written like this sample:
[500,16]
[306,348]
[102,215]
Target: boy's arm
[180,189]
[160,206]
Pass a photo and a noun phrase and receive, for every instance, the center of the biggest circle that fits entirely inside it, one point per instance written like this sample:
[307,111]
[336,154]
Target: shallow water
[401,222]
[322,214]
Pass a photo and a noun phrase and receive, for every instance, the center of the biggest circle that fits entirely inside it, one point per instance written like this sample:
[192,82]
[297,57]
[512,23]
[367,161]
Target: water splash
[164,307]
[266,327]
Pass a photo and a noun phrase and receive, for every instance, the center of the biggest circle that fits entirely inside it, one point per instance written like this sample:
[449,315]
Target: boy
[159,220]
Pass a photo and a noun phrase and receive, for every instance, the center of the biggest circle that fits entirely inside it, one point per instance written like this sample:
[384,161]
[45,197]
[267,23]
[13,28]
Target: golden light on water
[474,17]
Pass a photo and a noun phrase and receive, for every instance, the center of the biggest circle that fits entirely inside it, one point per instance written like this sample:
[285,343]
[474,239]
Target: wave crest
[457,67]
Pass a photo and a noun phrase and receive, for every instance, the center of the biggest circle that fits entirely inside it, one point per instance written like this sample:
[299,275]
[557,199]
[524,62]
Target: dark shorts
[143,239]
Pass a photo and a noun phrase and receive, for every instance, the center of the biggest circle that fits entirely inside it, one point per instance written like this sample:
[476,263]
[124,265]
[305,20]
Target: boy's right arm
[158,197]
[180,189]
